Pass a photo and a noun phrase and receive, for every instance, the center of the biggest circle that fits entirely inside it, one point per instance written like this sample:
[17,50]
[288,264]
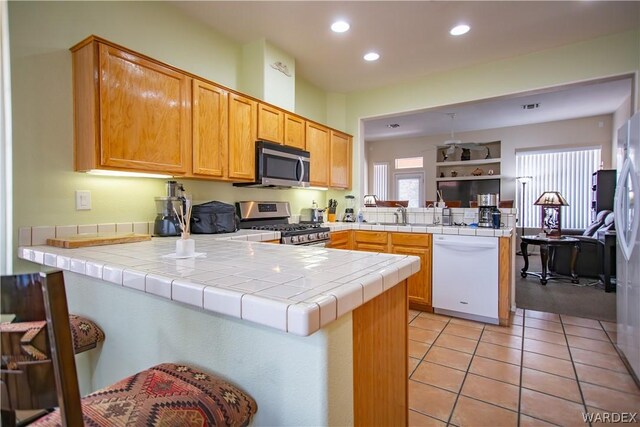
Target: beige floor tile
[609,326]
[422,335]
[463,331]
[552,409]
[434,316]
[495,369]
[431,324]
[431,400]
[418,349]
[613,336]
[543,324]
[541,347]
[607,378]
[414,312]
[549,364]
[509,330]
[502,339]
[456,343]
[439,376]
[416,419]
[581,321]
[592,345]
[586,332]
[527,421]
[471,412]
[412,315]
[413,363]
[598,359]
[498,352]
[610,400]
[451,358]
[491,391]
[551,384]
[469,323]
[546,336]
[517,320]
[542,315]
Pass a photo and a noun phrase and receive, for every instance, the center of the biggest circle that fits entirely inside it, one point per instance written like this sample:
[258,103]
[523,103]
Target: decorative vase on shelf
[466,154]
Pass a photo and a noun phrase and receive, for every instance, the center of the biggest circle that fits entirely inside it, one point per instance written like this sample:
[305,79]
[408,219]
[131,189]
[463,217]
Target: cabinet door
[340,160]
[210,127]
[294,131]
[144,114]
[369,247]
[420,283]
[318,145]
[270,124]
[242,137]
[339,240]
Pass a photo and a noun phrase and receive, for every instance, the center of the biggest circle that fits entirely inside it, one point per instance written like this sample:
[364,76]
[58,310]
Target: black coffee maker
[167,223]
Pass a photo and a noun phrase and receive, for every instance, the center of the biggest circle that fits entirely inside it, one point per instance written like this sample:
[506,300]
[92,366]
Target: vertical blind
[380,184]
[566,171]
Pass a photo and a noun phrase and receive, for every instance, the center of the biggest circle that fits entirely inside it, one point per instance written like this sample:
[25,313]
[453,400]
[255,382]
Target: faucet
[403,212]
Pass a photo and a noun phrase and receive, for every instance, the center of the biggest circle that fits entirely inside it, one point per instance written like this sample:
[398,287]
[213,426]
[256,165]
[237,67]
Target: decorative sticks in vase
[185,247]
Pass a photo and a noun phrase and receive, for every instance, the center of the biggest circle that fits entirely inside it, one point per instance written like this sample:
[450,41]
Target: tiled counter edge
[290,288]
[436,229]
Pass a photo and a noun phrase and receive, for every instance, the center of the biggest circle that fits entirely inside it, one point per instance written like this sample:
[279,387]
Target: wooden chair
[473,203]
[38,371]
[505,204]
[453,203]
[392,203]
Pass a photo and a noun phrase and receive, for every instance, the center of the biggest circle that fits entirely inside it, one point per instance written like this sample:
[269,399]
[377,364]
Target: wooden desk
[547,251]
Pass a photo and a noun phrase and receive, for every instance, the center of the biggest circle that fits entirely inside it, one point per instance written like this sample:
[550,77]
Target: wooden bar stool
[38,371]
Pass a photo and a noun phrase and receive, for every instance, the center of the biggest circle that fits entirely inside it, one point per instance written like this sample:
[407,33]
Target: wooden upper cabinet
[210,129]
[294,131]
[242,137]
[270,124]
[340,172]
[144,113]
[319,146]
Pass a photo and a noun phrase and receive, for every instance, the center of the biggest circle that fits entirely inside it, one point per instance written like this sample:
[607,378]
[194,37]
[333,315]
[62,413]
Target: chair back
[453,203]
[38,368]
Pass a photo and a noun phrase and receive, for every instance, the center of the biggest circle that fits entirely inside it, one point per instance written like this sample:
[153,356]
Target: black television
[468,190]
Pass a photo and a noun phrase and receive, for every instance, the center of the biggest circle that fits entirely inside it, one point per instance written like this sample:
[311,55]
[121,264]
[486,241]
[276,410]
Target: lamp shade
[551,198]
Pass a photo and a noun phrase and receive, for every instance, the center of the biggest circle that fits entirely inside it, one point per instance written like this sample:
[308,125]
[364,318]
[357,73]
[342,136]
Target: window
[409,163]
[409,186]
[566,171]
[380,184]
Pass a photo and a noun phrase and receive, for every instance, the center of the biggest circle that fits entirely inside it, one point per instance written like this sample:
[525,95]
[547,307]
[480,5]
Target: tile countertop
[295,289]
[435,229]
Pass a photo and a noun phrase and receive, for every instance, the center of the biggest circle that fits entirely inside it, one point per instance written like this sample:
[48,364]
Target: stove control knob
[294,239]
[312,236]
[302,238]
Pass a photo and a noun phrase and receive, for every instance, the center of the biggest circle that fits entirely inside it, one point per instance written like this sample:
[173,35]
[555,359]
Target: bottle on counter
[360,216]
[314,205]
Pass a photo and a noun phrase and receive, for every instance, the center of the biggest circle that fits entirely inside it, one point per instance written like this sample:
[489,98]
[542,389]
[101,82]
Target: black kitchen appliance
[279,166]
[274,216]
[167,223]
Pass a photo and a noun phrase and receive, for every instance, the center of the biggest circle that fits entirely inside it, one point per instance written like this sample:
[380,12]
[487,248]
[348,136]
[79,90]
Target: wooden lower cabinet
[370,241]
[420,283]
[340,240]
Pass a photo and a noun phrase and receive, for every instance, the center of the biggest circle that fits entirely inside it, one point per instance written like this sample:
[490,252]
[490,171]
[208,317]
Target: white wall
[590,131]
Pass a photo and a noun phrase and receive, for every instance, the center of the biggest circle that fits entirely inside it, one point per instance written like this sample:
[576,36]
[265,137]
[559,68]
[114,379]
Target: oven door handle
[301,163]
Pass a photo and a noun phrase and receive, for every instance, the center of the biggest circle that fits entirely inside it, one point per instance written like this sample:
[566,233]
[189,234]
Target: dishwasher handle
[464,248]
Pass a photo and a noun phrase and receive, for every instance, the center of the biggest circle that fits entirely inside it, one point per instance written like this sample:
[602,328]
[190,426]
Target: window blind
[566,171]
[380,180]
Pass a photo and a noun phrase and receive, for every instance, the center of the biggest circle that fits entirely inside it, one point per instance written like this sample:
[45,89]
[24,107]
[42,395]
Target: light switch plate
[83,200]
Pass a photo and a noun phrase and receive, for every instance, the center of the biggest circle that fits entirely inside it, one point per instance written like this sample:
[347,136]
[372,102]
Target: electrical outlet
[83,200]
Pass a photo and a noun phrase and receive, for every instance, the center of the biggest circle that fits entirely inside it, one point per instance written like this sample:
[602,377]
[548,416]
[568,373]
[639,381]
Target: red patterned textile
[165,395]
[85,333]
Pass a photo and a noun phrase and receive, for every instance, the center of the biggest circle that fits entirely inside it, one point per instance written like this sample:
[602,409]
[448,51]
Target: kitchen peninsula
[311,333]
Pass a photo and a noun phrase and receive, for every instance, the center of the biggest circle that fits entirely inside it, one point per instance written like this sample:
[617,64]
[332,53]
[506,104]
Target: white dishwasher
[465,276]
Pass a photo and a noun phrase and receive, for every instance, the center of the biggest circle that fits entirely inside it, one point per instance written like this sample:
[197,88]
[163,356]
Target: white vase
[185,247]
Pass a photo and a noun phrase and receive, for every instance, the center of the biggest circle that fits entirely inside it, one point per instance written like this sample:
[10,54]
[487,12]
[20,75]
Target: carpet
[563,297]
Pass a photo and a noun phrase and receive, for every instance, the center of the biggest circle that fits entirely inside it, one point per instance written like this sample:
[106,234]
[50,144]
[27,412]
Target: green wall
[41,34]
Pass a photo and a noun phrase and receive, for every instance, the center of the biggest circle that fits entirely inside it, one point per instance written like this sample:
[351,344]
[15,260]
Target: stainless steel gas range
[274,216]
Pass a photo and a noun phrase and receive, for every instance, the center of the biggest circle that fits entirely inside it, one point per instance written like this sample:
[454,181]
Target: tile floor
[545,369]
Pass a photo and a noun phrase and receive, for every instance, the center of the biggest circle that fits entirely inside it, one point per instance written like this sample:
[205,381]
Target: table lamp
[551,202]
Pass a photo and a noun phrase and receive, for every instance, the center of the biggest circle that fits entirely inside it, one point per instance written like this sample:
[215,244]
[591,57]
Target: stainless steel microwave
[279,166]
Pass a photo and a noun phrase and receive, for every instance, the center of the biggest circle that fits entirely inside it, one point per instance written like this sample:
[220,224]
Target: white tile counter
[290,288]
[434,229]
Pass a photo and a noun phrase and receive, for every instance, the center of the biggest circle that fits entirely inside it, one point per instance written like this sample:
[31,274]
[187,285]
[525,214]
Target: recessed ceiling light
[459,30]
[340,26]
[371,56]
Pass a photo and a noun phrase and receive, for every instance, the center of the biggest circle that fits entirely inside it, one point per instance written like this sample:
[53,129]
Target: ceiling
[413,41]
